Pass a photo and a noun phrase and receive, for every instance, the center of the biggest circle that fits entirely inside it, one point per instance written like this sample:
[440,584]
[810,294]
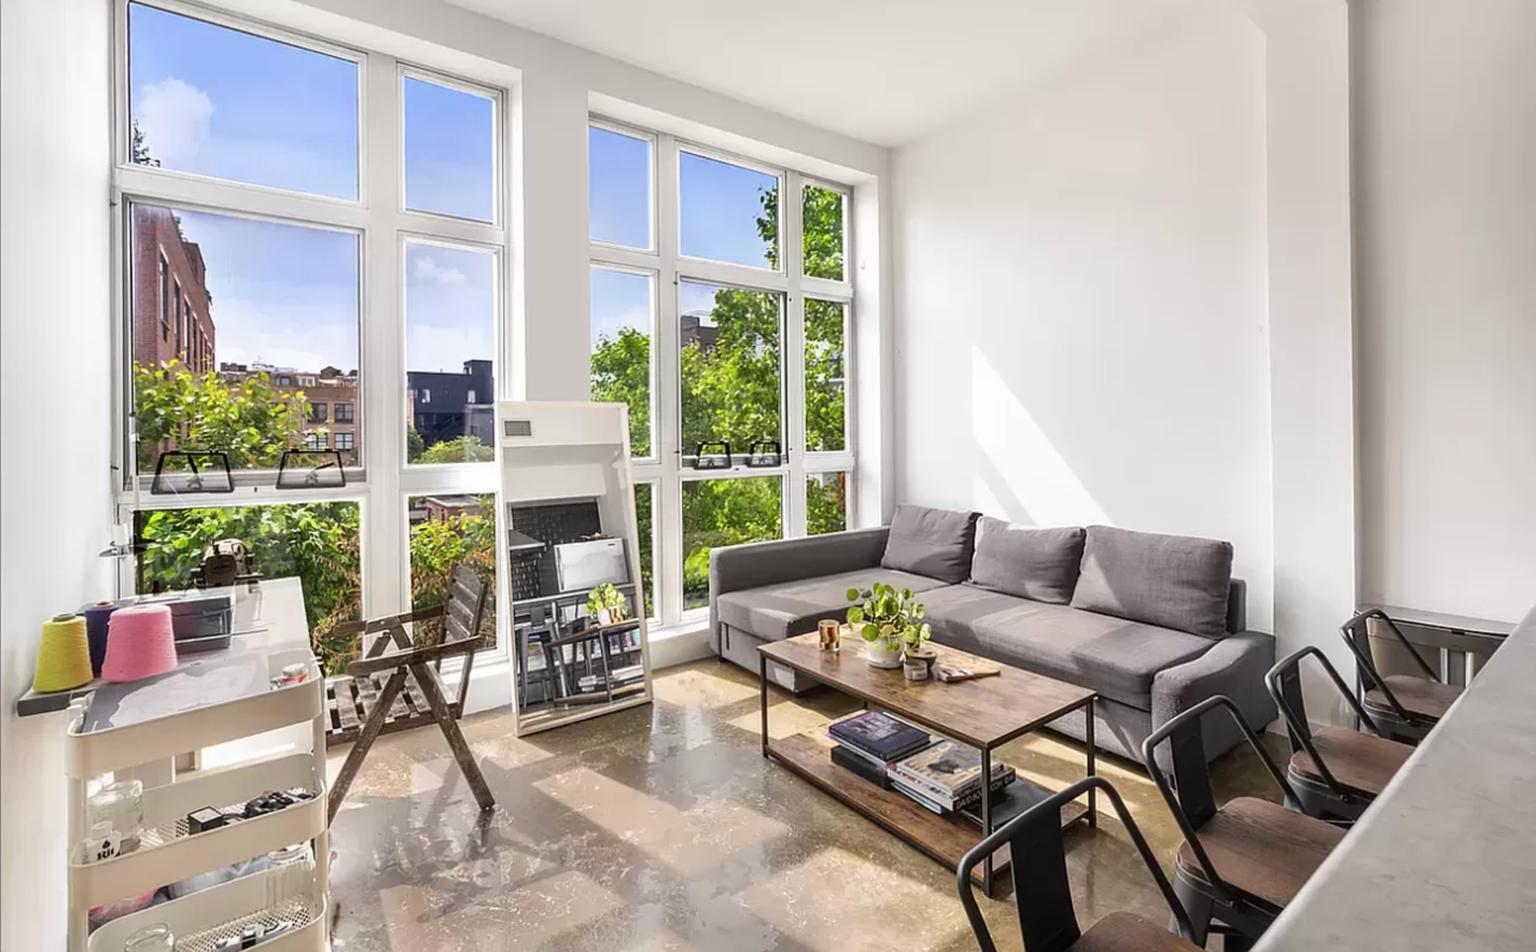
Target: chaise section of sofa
[1154,623]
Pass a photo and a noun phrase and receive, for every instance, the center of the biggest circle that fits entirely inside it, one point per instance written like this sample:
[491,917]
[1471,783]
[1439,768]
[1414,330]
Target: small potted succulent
[889,621]
[607,604]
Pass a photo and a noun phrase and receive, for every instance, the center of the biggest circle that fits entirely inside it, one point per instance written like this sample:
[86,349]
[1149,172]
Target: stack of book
[946,777]
[871,743]
[940,775]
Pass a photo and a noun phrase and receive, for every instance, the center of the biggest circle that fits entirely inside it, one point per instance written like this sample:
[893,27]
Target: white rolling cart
[213,697]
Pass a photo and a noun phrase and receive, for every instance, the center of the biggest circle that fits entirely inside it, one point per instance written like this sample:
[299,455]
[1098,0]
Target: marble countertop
[1446,857]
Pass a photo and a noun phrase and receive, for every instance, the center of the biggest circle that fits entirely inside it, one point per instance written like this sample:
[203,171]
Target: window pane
[826,503]
[450,151]
[621,348]
[822,222]
[316,542]
[238,325]
[645,519]
[826,376]
[450,335]
[728,213]
[448,531]
[731,387]
[725,512]
[619,183]
[214,101]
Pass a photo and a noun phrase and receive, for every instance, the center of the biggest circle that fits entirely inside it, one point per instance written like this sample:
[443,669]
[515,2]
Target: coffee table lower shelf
[944,838]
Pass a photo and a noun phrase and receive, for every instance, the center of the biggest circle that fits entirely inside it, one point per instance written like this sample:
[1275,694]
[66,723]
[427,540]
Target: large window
[270,184]
[720,319]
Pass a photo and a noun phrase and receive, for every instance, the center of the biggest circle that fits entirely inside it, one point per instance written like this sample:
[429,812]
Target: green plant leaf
[869,632]
[852,595]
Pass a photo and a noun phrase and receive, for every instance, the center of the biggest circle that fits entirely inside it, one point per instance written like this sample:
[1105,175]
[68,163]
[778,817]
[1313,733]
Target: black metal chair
[1241,863]
[1037,856]
[1404,706]
[1336,771]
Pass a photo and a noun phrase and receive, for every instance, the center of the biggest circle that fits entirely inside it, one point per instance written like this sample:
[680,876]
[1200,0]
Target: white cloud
[430,271]
[174,117]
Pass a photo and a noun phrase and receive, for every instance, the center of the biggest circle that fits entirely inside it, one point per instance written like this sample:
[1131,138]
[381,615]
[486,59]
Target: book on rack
[947,772]
[883,737]
[872,770]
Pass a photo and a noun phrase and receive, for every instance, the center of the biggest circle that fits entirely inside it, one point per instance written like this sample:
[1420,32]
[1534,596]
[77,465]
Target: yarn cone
[140,643]
[63,655]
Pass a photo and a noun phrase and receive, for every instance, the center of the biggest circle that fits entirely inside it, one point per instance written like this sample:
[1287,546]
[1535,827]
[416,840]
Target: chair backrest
[1284,681]
[464,611]
[1190,797]
[1037,856]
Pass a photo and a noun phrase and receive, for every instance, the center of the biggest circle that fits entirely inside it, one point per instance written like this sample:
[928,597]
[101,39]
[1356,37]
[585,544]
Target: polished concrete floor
[663,827]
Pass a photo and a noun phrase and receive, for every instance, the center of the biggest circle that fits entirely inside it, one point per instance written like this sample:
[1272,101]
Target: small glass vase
[290,878]
[155,938]
[121,804]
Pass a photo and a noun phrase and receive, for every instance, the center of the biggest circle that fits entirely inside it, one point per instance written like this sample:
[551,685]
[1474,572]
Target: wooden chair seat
[1261,849]
[1362,763]
[1421,696]
[350,701]
[1124,932]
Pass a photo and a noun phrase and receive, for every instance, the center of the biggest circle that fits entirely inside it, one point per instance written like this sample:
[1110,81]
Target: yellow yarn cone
[63,655]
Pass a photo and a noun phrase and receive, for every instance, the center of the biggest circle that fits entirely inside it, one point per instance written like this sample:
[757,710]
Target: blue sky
[719,203]
[227,104]
[218,102]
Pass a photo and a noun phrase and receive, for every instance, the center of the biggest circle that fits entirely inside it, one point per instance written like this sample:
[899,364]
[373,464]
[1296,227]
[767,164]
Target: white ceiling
[885,71]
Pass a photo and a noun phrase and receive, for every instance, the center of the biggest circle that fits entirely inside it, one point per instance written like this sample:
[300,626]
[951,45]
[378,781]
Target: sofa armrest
[1237,606]
[1234,666]
[753,564]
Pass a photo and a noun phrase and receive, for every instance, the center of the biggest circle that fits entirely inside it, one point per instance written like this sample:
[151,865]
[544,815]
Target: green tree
[251,420]
[440,545]
[460,449]
[317,542]
[621,373]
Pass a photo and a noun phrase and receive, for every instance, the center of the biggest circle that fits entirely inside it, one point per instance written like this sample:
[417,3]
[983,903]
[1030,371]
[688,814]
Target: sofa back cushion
[1177,582]
[1038,564]
[937,543]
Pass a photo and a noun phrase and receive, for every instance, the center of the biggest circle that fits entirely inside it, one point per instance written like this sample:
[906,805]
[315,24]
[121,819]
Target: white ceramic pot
[881,655]
[604,616]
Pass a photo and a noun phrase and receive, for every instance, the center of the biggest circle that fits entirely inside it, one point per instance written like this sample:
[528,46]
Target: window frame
[654,224]
[379,481]
[654,277]
[666,470]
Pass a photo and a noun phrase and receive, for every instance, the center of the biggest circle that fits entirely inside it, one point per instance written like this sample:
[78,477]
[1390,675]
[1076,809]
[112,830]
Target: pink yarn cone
[140,643]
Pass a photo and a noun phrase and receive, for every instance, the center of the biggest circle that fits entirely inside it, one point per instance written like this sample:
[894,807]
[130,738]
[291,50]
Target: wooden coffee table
[983,713]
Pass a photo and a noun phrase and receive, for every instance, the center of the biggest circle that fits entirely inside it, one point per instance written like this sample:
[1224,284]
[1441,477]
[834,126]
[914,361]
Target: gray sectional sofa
[1154,623]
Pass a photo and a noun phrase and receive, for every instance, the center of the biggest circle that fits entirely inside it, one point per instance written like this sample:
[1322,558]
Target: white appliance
[580,565]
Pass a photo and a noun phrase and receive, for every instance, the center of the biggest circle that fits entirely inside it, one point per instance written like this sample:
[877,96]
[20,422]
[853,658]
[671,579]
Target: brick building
[172,309]
[335,412]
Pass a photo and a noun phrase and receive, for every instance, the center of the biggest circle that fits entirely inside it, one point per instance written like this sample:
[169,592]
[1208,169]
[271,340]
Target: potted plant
[607,604]
[889,621]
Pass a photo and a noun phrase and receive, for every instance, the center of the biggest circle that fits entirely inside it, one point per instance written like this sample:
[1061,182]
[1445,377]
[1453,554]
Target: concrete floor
[663,827]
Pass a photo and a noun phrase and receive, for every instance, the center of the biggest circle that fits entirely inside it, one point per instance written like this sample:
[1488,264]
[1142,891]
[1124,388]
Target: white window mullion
[792,251]
[384,538]
[668,556]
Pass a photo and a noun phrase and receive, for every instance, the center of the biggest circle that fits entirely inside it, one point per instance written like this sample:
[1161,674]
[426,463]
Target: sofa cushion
[1177,582]
[937,543]
[774,612]
[1115,657]
[1031,563]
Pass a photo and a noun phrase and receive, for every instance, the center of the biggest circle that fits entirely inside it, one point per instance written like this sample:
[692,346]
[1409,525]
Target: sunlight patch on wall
[1022,475]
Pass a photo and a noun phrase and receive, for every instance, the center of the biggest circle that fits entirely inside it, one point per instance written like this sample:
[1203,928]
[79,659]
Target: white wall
[55,347]
[1445,217]
[1081,298]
